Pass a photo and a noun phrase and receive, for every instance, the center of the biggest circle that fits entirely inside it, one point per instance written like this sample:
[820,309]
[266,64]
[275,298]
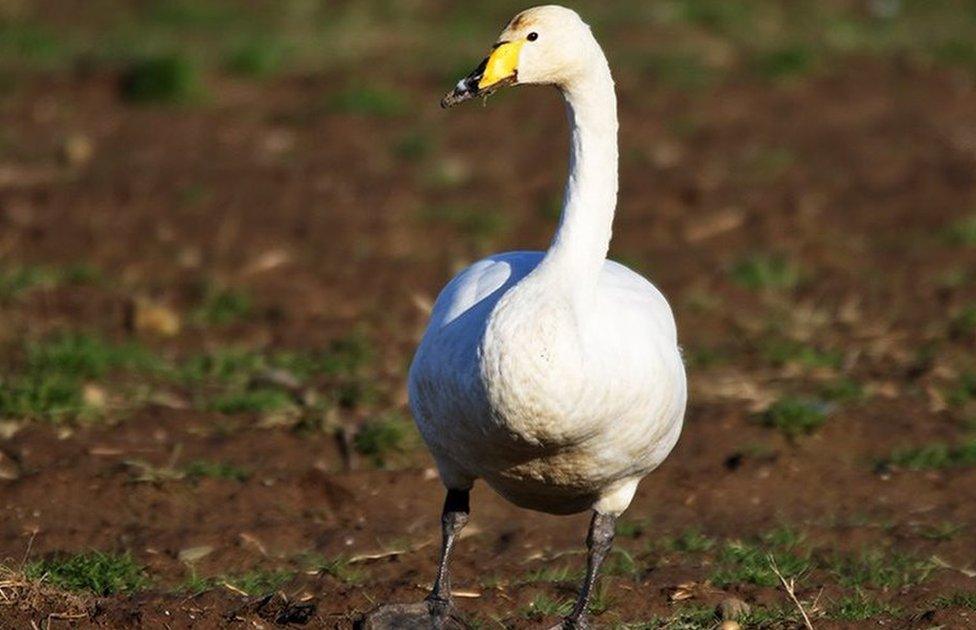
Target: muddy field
[222,227]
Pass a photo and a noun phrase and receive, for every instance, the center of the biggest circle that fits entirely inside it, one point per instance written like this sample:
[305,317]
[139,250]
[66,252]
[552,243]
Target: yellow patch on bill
[502,64]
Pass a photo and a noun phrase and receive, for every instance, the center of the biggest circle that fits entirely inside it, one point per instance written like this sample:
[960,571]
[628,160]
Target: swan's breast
[531,366]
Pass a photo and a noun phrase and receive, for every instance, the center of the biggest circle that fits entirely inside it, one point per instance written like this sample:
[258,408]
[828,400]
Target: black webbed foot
[425,615]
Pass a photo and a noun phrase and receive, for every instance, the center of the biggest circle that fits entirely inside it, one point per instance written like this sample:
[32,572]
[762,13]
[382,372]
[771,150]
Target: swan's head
[542,45]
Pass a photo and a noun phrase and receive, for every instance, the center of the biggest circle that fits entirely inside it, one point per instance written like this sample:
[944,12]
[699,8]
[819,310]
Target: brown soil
[882,159]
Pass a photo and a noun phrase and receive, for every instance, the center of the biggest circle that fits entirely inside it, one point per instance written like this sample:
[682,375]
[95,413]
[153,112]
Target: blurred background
[223,224]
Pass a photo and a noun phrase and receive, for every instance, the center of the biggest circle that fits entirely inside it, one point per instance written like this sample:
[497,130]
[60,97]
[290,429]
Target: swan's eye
[533,36]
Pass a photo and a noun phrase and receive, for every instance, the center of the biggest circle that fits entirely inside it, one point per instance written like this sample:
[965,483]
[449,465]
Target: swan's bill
[501,64]
[497,70]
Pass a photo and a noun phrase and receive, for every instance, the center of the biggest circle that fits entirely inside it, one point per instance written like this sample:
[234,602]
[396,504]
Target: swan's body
[554,376]
[560,402]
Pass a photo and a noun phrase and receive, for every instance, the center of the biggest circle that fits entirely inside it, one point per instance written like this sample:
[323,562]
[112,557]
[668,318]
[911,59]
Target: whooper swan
[554,376]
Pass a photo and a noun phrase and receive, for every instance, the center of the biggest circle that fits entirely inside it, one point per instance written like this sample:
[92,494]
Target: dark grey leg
[598,543]
[453,520]
[436,612]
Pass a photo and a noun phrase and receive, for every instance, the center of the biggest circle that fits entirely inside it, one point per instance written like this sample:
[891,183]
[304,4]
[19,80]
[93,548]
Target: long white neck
[580,245]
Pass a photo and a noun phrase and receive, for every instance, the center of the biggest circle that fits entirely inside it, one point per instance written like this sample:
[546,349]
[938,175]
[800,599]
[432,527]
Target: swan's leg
[437,610]
[453,520]
[598,543]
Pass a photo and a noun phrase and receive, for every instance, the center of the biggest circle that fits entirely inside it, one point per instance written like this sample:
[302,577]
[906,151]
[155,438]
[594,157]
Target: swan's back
[479,287]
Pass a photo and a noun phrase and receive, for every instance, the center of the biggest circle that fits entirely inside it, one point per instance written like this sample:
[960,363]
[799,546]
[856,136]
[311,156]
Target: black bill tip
[466,88]
[458,95]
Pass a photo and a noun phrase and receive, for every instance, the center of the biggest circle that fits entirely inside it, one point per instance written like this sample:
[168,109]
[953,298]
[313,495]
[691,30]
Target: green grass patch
[195,194]
[959,53]
[414,145]
[963,231]
[205,469]
[239,374]
[842,390]
[351,394]
[190,14]
[703,358]
[860,607]
[549,575]
[776,617]
[223,365]
[781,352]
[885,569]
[52,397]
[544,606]
[382,437]
[162,79]
[631,528]
[741,562]
[695,617]
[18,280]
[220,306]
[50,383]
[795,416]
[255,58]
[258,400]
[342,570]
[960,599]
[689,541]
[346,357]
[964,390]
[956,278]
[254,582]
[493,582]
[229,365]
[93,571]
[621,563]
[783,63]
[601,599]
[934,456]
[376,101]
[194,583]
[766,272]
[942,532]
[963,324]
[259,581]
[700,617]
[783,536]
[762,165]
[87,356]
[719,16]
[30,43]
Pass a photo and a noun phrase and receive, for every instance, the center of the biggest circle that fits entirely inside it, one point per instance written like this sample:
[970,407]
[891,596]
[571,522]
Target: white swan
[554,376]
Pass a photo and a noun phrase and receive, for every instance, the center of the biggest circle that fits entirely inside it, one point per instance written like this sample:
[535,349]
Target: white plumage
[555,376]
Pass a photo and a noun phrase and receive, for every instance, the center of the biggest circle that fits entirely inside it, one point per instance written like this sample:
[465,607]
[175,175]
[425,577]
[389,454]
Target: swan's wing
[442,395]
[647,368]
[478,282]
[629,290]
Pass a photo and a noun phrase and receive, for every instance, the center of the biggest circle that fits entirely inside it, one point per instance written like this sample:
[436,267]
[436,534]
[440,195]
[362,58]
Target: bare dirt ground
[816,237]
